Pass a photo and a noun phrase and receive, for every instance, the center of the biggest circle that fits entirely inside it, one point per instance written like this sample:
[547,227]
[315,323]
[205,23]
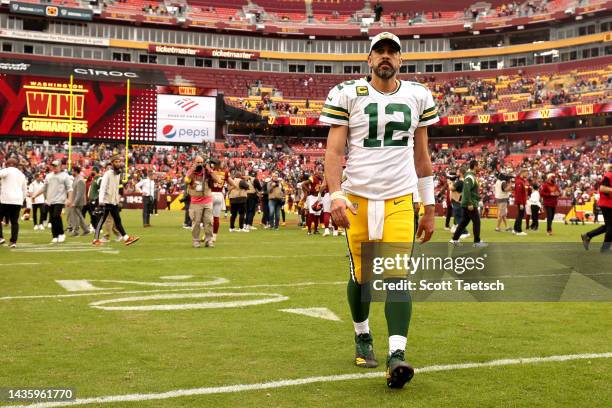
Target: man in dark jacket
[470,198]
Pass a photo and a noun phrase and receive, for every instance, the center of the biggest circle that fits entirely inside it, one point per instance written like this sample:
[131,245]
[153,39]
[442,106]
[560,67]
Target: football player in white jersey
[384,122]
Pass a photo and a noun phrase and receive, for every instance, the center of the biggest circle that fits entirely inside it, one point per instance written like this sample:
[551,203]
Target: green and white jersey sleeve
[335,110]
[429,113]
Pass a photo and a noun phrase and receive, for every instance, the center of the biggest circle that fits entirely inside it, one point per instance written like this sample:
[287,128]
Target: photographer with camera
[199,180]
[501,191]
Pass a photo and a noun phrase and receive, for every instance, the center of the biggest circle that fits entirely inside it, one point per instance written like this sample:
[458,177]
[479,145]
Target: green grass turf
[66,342]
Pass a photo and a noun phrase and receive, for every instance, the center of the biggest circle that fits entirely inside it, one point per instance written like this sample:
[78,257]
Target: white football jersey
[381,126]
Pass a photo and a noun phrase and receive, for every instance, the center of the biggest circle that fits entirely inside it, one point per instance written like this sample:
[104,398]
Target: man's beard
[117,169]
[384,74]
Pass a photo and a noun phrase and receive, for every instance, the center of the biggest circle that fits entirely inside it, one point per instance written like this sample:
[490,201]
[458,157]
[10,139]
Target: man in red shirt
[520,199]
[550,194]
[605,203]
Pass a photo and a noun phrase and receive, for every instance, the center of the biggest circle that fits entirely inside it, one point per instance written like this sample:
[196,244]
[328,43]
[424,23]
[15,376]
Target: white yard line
[180,258]
[228,389]
[278,285]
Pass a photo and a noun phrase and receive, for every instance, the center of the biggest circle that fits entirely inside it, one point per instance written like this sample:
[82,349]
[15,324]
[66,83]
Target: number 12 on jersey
[372,111]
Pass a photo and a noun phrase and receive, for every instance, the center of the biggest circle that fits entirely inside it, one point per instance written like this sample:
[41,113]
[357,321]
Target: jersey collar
[399,85]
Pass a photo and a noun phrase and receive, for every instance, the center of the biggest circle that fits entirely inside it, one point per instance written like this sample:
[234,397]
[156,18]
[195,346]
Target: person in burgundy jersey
[550,194]
[217,194]
[520,199]
[605,203]
[446,193]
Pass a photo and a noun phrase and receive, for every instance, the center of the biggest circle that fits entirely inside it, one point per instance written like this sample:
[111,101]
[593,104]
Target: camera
[504,177]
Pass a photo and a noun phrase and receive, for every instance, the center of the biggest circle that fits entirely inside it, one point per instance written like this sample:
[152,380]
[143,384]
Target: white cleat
[326,232]
[61,238]
[54,240]
[521,234]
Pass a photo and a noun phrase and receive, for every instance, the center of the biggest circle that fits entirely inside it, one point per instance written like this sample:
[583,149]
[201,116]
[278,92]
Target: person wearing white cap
[384,121]
[58,192]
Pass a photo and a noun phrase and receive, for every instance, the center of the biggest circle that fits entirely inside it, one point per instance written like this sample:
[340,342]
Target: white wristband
[425,186]
[339,195]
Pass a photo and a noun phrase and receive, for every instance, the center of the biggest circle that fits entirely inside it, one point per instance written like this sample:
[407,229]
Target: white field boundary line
[278,285]
[228,389]
[182,258]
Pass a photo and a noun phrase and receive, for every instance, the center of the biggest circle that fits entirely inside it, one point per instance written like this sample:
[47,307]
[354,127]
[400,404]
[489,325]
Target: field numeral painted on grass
[81,285]
[124,304]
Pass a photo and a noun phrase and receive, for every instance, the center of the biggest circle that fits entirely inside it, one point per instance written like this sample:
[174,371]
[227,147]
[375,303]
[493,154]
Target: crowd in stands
[253,12]
[461,95]
[577,163]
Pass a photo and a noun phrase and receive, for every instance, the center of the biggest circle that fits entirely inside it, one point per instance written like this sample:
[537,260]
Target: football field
[262,320]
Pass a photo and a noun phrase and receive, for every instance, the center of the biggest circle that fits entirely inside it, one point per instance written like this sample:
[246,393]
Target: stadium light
[416,36]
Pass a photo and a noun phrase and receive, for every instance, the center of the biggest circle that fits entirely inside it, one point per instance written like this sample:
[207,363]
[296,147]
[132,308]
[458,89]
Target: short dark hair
[473,163]
[76,168]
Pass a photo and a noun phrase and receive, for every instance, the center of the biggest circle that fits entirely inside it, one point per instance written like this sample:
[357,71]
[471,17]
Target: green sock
[360,309]
[398,309]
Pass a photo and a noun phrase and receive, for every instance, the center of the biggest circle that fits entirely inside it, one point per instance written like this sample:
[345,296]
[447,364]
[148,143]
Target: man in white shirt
[109,200]
[58,193]
[12,194]
[146,187]
[38,204]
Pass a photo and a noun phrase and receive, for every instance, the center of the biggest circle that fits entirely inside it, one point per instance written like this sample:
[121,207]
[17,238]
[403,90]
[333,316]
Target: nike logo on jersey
[396,202]
[329,98]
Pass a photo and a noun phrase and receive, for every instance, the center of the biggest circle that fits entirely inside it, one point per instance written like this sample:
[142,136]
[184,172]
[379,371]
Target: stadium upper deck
[347,18]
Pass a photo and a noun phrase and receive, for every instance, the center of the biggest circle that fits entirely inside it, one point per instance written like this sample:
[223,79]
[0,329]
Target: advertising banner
[202,52]
[51,11]
[82,71]
[185,119]
[48,107]
[549,113]
[56,38]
